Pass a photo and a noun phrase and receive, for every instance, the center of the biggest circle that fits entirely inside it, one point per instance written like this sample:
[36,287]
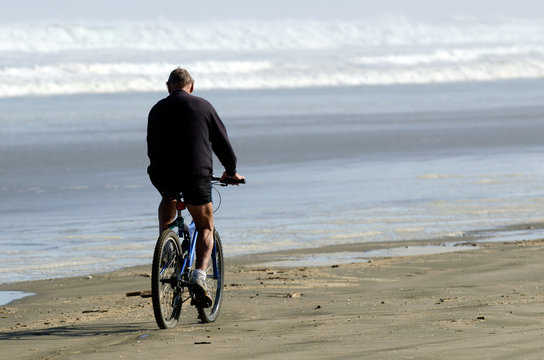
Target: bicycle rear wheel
[215,281]
[165,292]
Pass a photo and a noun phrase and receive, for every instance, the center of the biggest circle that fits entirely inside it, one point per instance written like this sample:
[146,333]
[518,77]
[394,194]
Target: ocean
[380,130]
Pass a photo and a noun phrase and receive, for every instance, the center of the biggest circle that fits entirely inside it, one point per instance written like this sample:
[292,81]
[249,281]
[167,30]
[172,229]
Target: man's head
[180,79]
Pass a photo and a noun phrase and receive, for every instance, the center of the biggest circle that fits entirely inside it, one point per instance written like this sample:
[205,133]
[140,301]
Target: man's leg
[167,213]
[203,218]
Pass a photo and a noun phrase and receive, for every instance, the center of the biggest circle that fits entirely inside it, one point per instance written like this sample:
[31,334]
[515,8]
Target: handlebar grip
[231,181]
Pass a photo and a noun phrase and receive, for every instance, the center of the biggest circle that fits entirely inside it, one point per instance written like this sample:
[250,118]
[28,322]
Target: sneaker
[200,296]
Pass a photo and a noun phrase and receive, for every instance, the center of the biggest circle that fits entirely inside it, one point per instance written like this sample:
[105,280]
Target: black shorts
[195,192]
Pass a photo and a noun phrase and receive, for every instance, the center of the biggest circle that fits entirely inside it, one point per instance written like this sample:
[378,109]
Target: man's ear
[192,88]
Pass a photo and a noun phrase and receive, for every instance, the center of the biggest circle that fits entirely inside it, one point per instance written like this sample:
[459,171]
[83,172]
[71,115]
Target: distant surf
[54,58]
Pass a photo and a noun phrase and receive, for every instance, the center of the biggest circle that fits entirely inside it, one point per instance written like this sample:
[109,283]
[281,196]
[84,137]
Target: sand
[485,303]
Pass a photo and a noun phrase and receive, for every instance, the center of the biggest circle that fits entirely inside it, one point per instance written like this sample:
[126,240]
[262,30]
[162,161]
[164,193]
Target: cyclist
[183,132]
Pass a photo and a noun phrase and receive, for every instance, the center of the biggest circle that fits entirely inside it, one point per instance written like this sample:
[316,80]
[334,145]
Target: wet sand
[486,303]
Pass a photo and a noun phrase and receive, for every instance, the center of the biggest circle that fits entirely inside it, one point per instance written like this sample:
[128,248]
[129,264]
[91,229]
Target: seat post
[180,205]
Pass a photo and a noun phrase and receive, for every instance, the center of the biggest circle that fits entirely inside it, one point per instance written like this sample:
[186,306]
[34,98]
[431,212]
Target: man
[183,132]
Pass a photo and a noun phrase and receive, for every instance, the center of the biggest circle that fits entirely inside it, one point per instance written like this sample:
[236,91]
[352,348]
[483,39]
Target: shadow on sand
[78,331]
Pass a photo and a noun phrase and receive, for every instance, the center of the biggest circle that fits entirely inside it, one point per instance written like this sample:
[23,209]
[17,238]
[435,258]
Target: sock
[200,273]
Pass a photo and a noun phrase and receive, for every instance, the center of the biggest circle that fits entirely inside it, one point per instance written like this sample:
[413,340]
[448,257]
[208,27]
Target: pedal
[201,301]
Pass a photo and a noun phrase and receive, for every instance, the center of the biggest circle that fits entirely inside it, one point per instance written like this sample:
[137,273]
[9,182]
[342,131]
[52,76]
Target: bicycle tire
[215,285]
[166,296]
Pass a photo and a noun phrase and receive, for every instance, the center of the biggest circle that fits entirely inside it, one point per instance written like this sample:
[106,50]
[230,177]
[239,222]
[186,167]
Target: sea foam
[50,58]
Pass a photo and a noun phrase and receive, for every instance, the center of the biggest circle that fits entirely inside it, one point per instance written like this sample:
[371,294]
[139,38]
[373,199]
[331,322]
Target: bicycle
[173,262]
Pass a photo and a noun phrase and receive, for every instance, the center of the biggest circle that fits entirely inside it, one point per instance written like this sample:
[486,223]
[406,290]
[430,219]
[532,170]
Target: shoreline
[340,254]
[471,304]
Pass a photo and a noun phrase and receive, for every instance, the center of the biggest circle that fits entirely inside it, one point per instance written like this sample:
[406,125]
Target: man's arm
[221,144]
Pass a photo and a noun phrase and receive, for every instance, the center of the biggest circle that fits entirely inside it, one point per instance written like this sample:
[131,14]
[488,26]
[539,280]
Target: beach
[403,235]
[394,204]
[482,303]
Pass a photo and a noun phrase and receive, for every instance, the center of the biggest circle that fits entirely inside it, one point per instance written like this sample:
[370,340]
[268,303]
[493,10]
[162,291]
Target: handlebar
[228,181]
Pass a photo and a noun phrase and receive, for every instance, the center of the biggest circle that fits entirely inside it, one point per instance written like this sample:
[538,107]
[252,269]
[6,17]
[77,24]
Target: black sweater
[182,132]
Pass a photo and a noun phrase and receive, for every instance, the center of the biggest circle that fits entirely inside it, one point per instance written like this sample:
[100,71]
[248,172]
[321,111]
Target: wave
[161,35]
[104,57]
[75,78]
[454,55]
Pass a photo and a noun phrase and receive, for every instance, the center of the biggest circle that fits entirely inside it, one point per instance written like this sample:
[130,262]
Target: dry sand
[485,303]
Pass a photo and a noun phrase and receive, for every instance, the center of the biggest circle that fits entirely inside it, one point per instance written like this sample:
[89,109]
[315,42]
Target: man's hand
[236,177]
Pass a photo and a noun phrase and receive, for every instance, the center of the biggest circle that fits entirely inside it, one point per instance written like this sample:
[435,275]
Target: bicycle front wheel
[165,292]
[215,280]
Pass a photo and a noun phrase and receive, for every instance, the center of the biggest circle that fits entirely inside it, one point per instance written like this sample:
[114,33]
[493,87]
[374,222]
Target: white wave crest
[73,78]
[101,57]
[248,35]
[453,55]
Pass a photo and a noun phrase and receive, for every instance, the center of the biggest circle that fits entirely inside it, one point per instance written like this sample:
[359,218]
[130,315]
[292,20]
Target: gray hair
[180,76]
